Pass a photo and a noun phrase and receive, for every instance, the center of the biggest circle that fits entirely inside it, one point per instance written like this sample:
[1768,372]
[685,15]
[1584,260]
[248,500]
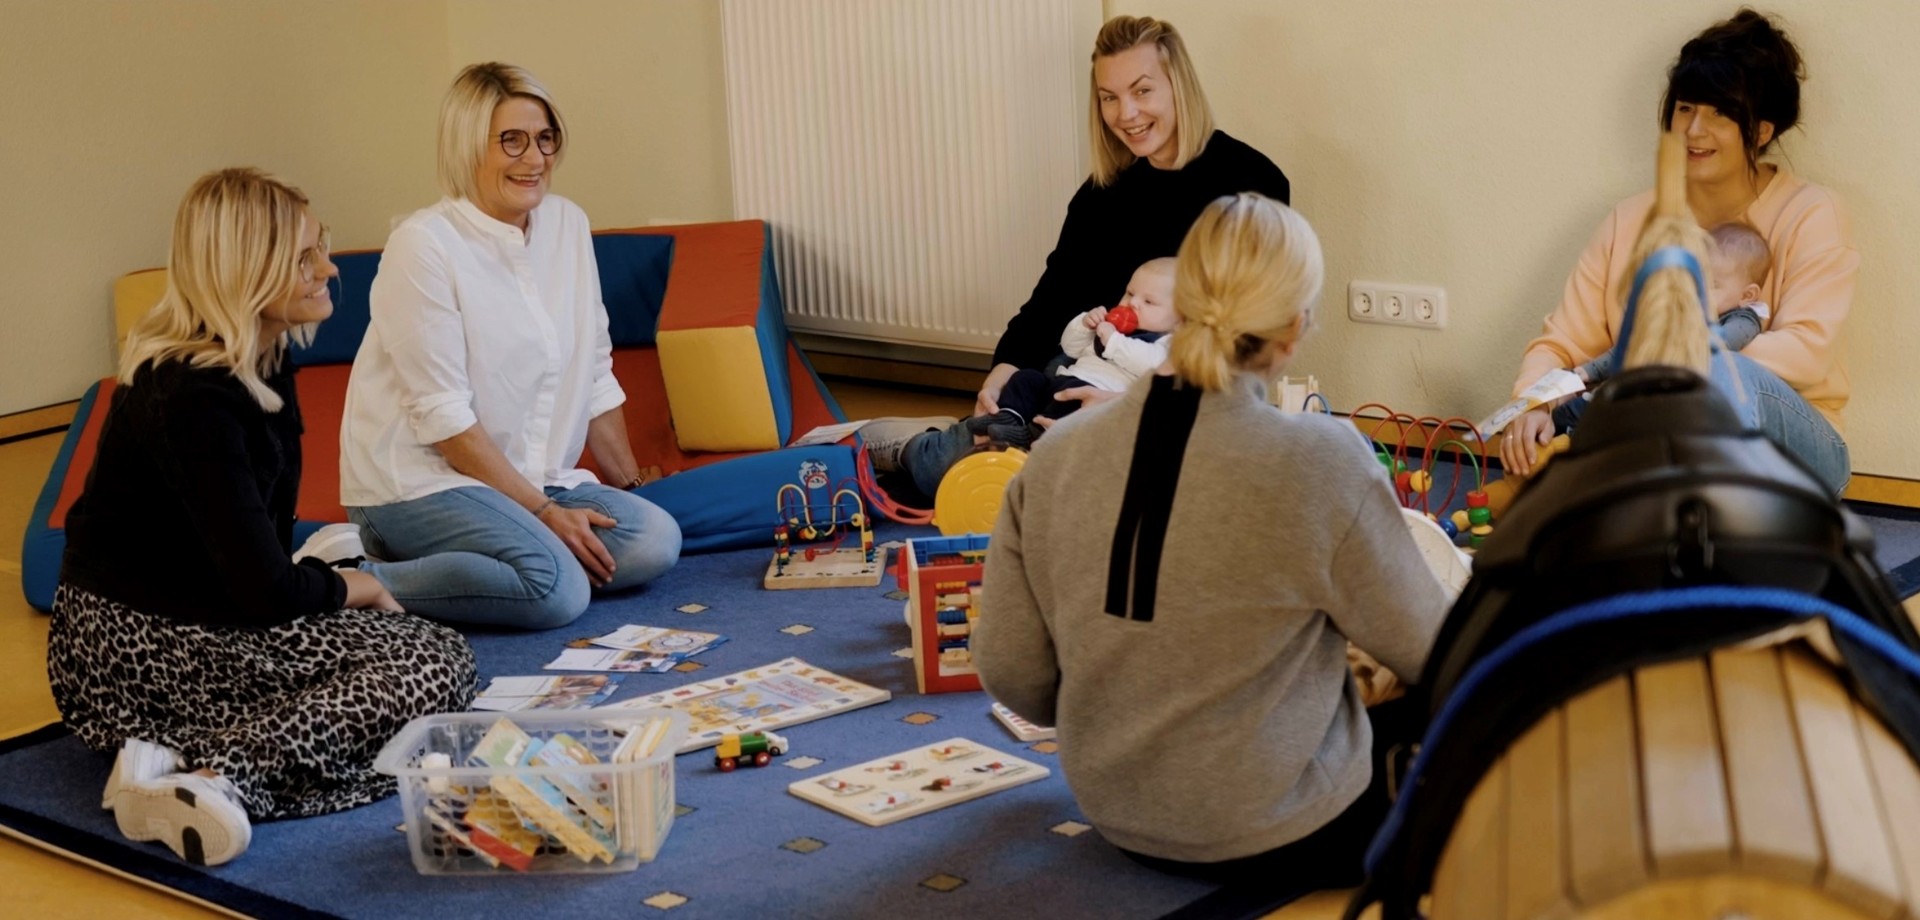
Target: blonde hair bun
[1250,272]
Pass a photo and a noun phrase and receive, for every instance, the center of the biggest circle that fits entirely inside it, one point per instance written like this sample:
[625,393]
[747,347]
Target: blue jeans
[472,555]
[928,456]
[1765,402]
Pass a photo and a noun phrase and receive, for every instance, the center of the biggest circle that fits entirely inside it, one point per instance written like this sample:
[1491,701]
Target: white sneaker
[886,438]
[138,761]
[333,543]
[198,817]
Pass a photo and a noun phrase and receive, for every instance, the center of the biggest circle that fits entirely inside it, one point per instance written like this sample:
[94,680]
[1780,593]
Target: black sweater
[1111,231]
[188,511]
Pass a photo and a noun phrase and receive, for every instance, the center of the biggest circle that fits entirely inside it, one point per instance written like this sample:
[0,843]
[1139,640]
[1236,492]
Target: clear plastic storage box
[504,793]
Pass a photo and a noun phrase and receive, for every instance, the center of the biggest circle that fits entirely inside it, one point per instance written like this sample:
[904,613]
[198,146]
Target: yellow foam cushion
[717,390]
[133,295]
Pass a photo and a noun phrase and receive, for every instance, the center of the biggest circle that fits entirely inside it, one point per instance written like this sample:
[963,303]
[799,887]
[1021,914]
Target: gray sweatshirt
[1227,725]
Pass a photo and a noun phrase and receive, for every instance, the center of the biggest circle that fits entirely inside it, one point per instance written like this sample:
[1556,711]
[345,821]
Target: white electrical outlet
[1420,306]
[1359,304]
[1393,306]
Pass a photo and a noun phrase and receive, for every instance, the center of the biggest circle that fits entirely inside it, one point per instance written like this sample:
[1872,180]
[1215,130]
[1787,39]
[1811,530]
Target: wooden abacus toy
[942,579]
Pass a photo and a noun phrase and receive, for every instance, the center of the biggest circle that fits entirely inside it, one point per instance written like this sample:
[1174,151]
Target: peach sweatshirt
[1810,286]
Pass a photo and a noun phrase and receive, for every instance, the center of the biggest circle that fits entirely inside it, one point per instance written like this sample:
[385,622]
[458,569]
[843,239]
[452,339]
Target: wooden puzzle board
[917,781]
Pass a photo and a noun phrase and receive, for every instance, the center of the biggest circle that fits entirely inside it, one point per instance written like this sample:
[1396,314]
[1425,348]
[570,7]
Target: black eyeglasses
[513,142]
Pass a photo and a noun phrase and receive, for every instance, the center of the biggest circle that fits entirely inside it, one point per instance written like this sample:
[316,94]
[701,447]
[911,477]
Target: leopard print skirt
[293,715]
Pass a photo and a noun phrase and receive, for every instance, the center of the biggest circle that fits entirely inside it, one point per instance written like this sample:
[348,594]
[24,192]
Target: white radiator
[914,157]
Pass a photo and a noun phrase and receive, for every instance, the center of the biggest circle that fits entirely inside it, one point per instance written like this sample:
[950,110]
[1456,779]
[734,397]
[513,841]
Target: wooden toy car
[752,749]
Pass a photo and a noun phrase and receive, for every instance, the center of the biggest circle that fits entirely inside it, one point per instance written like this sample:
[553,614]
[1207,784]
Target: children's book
[612,659]
[917,781]
[1021,728]
[496,832]
[539,803]
[656,640]
[587,791]
[645,794]
[786,692]
[519,694]
[450,827]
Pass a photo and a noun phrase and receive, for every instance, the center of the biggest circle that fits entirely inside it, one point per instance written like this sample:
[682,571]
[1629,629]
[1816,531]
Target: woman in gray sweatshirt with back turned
[1175,575]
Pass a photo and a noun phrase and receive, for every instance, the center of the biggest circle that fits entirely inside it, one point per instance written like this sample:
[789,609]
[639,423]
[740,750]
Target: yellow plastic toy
[1500,492]
[971,492]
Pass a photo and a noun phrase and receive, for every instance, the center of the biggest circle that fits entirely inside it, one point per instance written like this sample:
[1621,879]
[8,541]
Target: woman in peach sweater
[1734,89]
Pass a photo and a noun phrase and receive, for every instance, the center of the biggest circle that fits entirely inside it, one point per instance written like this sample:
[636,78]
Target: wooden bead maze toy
[809,515]
[942,578]
[1414,487]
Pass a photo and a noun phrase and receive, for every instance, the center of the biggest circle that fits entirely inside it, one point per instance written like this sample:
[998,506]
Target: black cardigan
[188,511]
[1111,231]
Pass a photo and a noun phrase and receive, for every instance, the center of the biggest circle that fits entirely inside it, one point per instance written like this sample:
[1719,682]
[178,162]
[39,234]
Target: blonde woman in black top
[1158,160]
[234,681]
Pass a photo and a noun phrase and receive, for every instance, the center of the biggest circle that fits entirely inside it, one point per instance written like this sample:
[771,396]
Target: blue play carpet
[742,846]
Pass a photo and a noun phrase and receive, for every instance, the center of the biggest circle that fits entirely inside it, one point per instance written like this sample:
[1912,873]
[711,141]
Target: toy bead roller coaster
[1414,487]
[813,522]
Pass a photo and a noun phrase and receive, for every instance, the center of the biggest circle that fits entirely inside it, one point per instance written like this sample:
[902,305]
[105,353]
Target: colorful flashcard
[657,640]
[1021,728]
[519,694]
[917,781]
[786,692]
[611,659]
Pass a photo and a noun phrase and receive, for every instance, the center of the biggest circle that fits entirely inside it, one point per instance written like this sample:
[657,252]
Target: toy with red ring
[1124,320]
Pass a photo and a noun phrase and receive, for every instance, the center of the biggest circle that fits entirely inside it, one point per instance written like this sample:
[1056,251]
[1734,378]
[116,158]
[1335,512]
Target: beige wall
[1476,145]
[643,90]
[1470,145]
[113,107]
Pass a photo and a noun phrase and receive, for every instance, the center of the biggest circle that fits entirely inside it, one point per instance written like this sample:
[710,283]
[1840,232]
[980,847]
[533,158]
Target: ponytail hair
[1250,271]
[1670,326]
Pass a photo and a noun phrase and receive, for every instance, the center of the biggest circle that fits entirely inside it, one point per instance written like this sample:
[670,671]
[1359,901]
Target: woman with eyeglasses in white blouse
[486,370]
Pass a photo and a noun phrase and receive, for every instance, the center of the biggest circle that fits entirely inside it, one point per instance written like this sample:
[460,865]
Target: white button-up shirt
[474,321]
